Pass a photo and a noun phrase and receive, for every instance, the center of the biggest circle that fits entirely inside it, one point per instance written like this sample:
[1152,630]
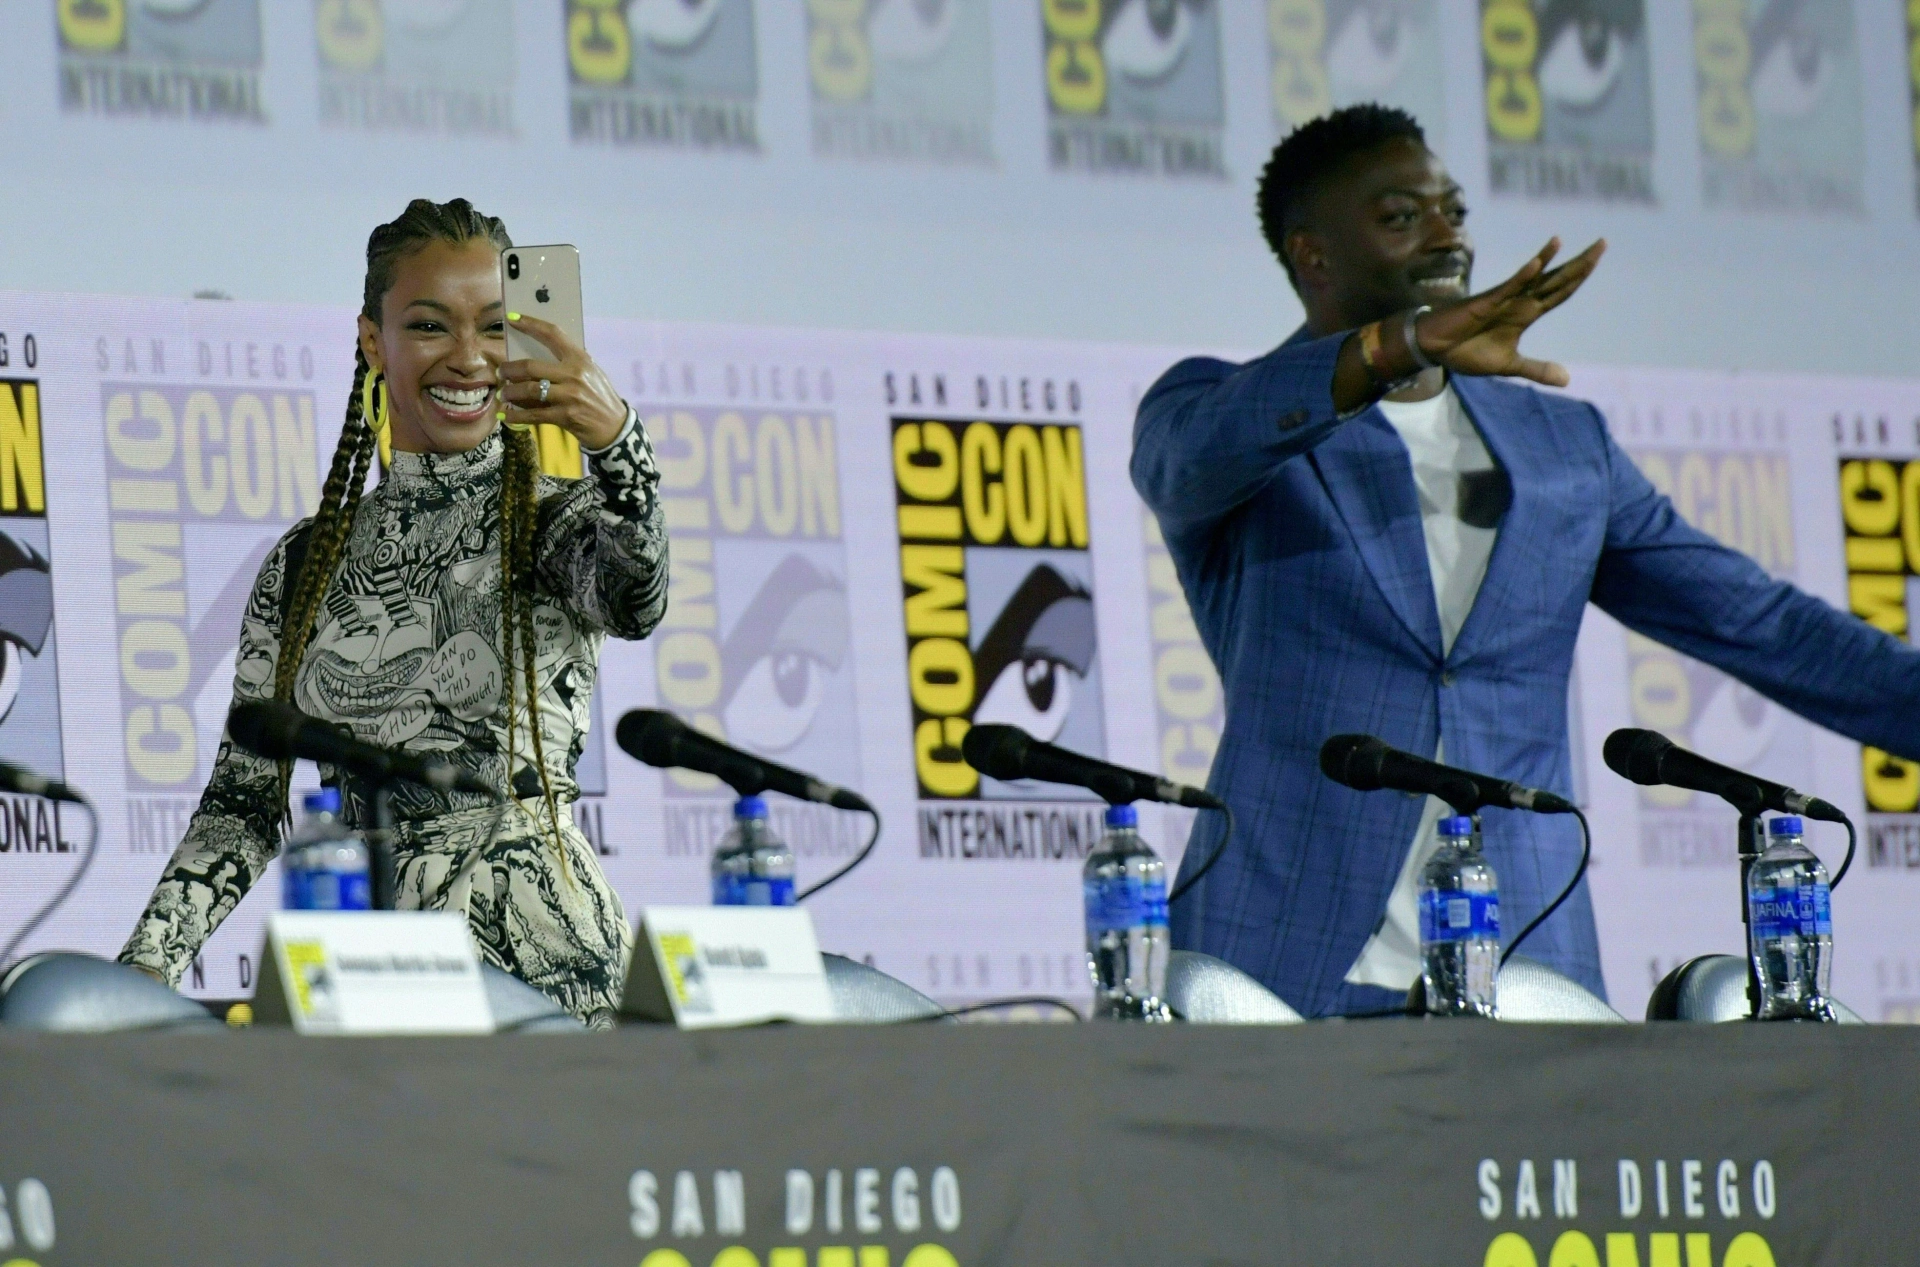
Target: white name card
[703,967]
[371,972]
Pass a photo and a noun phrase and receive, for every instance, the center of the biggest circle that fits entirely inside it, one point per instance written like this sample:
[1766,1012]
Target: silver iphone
[543,282]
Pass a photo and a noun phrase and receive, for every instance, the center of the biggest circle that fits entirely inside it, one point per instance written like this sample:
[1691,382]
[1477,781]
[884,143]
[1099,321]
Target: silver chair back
[866,995]
[1528,990]
[518,1008]
[1208,991]
[66,993]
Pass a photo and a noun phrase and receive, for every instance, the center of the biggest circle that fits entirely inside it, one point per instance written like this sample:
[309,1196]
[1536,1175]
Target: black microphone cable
[66,890]
[989,1005]
[1181,889]
[1852,840]
[858,858]
[1586,855]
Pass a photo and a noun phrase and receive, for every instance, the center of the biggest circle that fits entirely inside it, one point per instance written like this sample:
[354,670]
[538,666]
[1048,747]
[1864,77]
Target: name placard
[371,972]
[704,967]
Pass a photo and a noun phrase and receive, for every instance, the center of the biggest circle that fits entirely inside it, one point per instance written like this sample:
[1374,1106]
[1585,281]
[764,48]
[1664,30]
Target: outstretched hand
[1481,334]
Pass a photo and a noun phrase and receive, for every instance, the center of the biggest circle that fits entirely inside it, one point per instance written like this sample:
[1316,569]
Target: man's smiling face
[1384,232]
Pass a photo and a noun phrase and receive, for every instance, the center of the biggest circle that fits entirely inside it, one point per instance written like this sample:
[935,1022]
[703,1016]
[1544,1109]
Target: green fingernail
[501,416]
[513,316]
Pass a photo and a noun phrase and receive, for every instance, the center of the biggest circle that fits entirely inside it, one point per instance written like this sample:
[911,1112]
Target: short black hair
[1313,150]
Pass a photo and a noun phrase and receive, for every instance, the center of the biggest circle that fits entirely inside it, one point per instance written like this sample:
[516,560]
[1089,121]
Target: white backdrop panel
[176,439]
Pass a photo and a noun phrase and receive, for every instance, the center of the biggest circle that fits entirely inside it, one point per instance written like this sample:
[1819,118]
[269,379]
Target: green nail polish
[513,316]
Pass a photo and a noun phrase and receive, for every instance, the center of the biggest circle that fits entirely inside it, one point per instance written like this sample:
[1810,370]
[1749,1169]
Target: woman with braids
[457,608]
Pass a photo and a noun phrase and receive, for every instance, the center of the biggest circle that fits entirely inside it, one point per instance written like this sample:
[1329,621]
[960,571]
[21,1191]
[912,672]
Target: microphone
[661,739]
[1366,764]
[1009,753]
[281,732]
[1649,757]
[23,782]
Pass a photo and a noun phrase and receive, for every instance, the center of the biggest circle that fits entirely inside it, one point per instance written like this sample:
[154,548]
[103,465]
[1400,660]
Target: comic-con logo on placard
[416,65]
[200,484]
[187,59]
[901,79]
[1134,86]
[1780,116]
[1880,508]
[756,644]
[29,661]
[1744,500]
[1569,98]
[664,72]
[997,594]
[1331,53]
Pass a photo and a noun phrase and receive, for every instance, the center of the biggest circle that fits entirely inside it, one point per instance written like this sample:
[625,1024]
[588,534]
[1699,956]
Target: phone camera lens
[513,267]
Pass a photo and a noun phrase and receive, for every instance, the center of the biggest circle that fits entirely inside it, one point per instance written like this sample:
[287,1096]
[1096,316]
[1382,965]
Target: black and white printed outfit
[406,652]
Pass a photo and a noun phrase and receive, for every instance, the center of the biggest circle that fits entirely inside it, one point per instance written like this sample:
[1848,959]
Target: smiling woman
[457,608]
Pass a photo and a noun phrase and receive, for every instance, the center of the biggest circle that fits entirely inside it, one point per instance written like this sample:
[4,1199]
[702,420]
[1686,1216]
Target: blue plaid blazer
[1297,538]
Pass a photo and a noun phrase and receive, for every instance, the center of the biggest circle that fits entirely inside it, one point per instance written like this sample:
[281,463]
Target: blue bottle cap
[1122,816]
[324,800]
[1785,825]
[1456,825]
[749,807]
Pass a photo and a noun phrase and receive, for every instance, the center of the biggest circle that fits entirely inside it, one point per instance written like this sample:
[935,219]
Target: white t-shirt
[1462,496]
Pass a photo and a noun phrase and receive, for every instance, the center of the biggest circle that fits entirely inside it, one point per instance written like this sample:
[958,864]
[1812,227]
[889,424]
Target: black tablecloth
[1358,1142]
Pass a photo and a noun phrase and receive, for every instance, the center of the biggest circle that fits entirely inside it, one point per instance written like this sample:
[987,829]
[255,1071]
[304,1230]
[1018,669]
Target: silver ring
[545,387]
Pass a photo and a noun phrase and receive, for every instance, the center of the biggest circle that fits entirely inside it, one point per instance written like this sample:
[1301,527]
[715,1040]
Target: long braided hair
[423,223]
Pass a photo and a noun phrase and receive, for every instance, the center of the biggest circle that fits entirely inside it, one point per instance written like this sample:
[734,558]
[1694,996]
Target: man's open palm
[1481,334]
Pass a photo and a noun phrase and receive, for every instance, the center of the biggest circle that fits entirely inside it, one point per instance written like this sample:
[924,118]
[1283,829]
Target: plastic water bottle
[1127,941]
[1459,924]
[751,865]
[1790,926]
[326,866]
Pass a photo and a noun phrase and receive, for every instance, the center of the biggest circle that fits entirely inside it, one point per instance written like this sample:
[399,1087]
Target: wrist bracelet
[1410,335]
[1370,352]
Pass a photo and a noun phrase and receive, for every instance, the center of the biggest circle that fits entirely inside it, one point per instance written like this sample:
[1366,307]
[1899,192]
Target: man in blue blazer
[1380,530]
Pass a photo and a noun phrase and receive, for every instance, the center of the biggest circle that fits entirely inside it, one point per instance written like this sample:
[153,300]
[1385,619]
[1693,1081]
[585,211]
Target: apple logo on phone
[541,294]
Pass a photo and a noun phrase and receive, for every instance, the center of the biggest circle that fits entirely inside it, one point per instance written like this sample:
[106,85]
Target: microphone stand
[1749,800]
[380,842]
[1750,843]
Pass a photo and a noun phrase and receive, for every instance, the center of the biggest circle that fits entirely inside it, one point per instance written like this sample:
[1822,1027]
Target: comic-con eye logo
[1880,508]
[1134,85]
[29,672]
[1569,98]
[755,646]
[416,65]
[1570,52]
[997,585]
[198,59]
[669,72]
[901,79]
[351,33]
[201,483]
[845,38]
[26,613]
[1779,114]
[1328,53]
[1745,501]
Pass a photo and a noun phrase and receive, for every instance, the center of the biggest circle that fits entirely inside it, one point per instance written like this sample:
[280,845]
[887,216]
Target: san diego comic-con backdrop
[881,538]
[877,541]
[1077,169]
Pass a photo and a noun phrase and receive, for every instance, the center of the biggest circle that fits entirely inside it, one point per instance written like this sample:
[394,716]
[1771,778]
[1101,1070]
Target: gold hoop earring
[373,403]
